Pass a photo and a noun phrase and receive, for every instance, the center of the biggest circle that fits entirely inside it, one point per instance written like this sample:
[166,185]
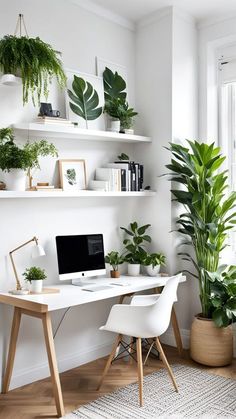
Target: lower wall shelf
[66,194]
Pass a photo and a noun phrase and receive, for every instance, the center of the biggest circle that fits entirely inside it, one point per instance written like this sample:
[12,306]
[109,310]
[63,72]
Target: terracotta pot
[209,344]
[115,274]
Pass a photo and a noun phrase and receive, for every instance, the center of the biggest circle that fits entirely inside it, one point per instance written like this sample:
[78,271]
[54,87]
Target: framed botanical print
[72,174]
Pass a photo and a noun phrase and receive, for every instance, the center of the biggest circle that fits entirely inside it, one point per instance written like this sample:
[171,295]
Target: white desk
[41,305]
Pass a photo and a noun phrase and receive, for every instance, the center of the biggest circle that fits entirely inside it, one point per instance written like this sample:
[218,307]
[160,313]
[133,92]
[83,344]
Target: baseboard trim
[169,339]
[29,375]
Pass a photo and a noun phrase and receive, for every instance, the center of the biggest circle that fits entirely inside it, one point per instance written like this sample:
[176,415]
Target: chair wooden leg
[12,349]
[131,350]
[140,370]
[165,362]
[109,361]
[176,330]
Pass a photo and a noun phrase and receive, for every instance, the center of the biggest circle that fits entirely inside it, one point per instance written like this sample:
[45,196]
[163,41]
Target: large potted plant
[16,160]
[115,260]
[34,61]
[135,246]
[207,218]
[35,276]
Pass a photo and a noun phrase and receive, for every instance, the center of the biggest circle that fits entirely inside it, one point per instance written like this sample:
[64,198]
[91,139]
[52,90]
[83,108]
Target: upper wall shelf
[68,194]
[59,131]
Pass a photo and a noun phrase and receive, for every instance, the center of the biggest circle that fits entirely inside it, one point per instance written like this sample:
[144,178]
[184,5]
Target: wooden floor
[78,386]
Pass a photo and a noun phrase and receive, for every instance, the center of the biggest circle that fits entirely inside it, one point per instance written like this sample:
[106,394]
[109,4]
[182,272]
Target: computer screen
[80,256]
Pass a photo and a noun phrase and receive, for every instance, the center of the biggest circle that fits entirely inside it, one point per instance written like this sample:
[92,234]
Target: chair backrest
[160,312]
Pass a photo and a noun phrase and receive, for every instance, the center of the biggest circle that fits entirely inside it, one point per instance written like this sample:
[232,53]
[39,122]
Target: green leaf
[147,238]
[85,99]
[220,318]
[127,231]
[133,226]
[141,230]
[114,85]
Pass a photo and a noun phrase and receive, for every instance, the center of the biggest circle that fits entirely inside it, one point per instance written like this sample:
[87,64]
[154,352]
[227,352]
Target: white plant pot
[129,131]
[133,269]
[10,80]
[114,125]
[152,271]
[15,180]
[36,285]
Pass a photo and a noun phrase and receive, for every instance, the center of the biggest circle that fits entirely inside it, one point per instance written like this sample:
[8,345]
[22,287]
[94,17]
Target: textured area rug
[201,395]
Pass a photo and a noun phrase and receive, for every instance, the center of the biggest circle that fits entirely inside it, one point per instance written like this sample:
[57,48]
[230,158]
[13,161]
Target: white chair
[148,316]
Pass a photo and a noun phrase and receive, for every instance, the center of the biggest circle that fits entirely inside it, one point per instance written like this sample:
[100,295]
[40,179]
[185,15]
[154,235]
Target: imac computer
[80,257]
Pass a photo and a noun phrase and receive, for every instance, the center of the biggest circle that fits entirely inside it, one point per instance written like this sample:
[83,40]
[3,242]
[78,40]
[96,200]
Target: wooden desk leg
[48,335]
[12,349]
[176,330]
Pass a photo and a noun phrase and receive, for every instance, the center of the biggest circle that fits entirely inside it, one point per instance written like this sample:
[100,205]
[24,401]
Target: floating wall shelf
[65,194]
[59,131]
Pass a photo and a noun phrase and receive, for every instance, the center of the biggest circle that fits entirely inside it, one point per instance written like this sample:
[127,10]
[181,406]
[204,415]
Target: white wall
[184,126]
[166,97]
[80,36]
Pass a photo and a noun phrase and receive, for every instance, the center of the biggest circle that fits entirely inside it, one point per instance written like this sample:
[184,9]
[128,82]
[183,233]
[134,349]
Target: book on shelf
[53,120]
[99,185]
[133,177]
[48,188]
[112,176]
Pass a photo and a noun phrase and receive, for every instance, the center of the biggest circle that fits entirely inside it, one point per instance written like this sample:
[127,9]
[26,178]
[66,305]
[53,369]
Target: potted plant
[16,160]
[114,109]
[34,61]
[153,262]
[126,120]
[223,312]
[35,276]
[134,246]
[114,259]
[204,225]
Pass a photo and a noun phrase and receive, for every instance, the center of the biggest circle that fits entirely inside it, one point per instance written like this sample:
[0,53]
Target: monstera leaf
[114,85]
[85,100]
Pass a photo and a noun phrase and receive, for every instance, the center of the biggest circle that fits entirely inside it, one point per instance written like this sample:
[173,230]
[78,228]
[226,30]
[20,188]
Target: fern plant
[34,61]
[26,157]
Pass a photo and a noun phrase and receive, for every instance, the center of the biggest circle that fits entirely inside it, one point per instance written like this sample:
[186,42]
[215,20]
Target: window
[227,113]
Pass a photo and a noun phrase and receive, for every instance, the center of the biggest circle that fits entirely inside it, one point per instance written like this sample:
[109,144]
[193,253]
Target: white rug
[201,395]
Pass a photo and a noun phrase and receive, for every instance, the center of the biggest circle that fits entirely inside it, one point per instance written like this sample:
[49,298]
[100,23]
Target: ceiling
[202,10]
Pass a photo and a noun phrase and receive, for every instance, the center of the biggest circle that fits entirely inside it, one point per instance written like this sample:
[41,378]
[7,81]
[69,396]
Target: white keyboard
[94,288]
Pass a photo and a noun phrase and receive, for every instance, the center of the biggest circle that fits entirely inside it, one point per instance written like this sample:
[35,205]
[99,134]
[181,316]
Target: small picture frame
[72,173]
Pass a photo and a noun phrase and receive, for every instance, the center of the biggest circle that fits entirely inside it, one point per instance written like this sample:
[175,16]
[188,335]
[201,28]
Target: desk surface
[71,295]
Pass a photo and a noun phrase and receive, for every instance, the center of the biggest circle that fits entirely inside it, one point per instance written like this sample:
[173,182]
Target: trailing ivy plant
[13,156]
[206,221]
[34,61]
[85,100]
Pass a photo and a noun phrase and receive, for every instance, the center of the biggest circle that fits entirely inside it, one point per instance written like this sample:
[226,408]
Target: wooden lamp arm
[18,284]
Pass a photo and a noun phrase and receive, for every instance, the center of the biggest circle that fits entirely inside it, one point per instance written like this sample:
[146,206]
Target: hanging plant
[34,61]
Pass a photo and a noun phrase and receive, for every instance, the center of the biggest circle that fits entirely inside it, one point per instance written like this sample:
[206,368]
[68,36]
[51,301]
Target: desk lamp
[37,251]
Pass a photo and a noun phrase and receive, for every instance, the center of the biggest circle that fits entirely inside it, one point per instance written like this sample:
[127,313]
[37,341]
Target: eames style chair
[148,316]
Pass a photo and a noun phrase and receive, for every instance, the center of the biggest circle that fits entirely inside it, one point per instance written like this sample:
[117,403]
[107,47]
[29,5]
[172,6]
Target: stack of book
[53,120]
[120,176]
